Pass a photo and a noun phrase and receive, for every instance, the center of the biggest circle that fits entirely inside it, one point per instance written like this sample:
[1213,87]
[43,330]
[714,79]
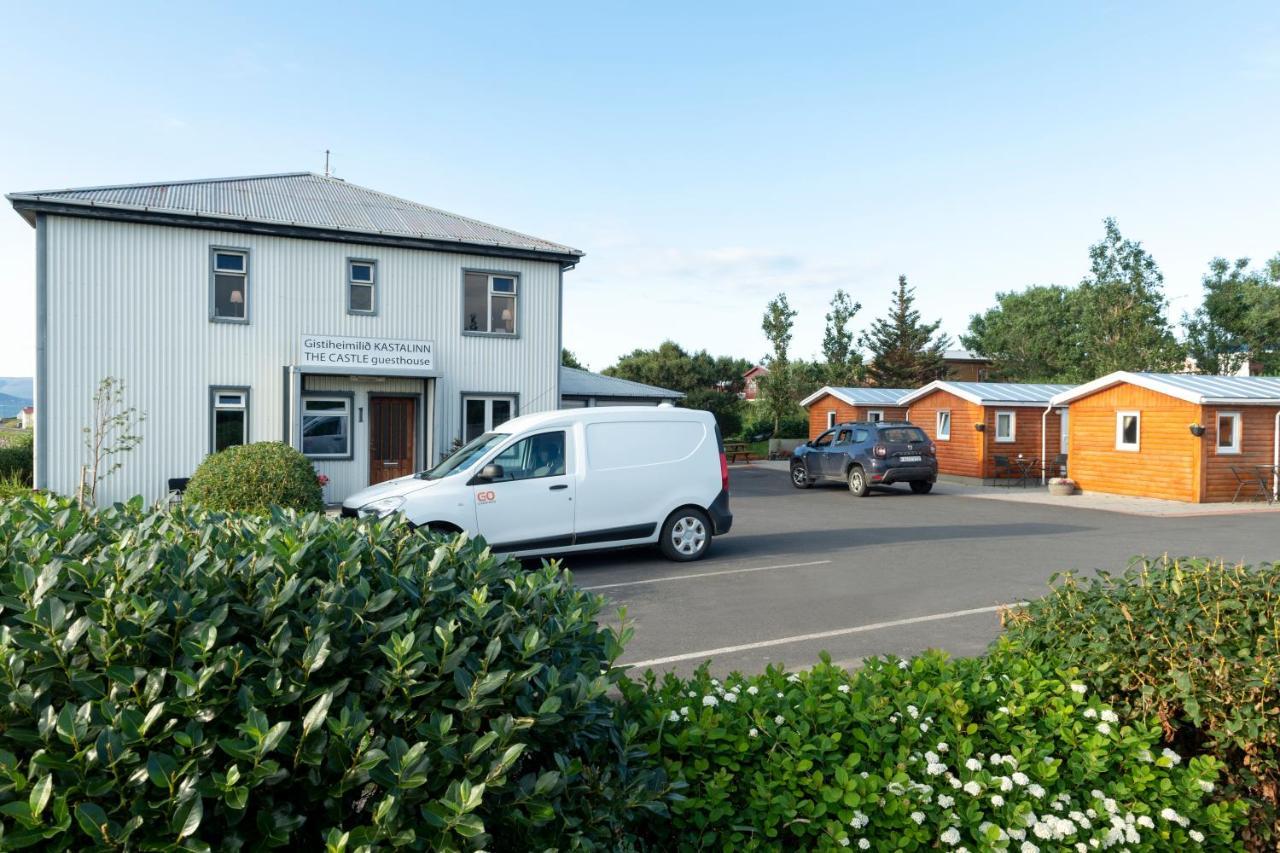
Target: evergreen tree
[568,359]
[844,362]
[904,351]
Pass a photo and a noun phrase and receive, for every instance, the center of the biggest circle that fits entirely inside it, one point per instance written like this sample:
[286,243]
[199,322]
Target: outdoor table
[1026,465]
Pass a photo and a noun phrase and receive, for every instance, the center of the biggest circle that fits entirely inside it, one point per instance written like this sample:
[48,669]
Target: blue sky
[705,156]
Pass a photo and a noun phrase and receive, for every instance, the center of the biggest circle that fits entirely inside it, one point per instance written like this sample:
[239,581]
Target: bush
[726,408]
[1193,642]
[16,458]
[254,478]
[983,753]
[176,678]
[795,425]
[13,486]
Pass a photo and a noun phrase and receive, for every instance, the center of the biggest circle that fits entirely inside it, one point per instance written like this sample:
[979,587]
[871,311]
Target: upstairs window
[230,418]
[230,297]
[361,287]
[489,303]
[944,425]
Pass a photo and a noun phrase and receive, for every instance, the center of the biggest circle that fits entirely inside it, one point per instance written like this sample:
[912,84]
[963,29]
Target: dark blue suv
[865,454]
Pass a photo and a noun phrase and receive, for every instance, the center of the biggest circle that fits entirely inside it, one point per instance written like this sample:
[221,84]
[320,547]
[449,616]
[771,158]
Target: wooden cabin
[1175,436]
[829,406]
[973,423]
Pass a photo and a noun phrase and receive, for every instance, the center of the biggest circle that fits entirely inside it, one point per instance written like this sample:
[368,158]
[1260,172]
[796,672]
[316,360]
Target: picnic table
[735,449]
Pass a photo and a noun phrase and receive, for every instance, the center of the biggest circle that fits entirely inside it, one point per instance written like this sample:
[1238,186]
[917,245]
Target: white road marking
[707,575]
[821,635]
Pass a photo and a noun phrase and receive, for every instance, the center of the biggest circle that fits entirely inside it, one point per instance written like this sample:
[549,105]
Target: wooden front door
[391,431]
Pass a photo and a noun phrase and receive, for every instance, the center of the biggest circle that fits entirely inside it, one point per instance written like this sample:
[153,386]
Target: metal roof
[1190,387]
[994,393]
[584,383]
[859,396]
[962,355]
[299,199]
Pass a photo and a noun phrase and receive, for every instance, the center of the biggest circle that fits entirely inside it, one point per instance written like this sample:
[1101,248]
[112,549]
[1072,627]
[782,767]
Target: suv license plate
[908,458]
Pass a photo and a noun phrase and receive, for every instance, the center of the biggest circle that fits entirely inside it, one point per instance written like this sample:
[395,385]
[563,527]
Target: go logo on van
[485,497]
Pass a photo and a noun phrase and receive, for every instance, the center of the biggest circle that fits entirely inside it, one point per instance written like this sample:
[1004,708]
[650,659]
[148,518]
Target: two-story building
[370,332]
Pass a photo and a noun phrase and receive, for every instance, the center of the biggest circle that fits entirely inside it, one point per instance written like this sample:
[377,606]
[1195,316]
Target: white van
[575,480]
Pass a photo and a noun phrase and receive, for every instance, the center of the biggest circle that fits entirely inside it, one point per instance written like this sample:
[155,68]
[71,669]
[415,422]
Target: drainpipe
[1044,446]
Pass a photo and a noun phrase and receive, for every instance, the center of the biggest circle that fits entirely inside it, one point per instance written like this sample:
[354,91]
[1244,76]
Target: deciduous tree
[843,361]
[777,387]
[1030,336]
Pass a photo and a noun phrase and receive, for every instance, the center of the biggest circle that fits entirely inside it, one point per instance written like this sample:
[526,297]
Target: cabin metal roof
[1202,390]
[858,396]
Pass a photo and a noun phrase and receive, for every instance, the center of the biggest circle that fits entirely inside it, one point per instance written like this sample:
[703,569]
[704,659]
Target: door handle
[559,487]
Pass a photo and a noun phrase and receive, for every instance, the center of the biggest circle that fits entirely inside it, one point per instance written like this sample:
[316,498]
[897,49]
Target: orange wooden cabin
[972,423]
[1175,436]
[829,406]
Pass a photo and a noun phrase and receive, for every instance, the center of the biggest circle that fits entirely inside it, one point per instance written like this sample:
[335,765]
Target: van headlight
[382,506]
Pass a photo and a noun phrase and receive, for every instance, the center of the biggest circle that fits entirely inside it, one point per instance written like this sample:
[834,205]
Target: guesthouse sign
[389,356]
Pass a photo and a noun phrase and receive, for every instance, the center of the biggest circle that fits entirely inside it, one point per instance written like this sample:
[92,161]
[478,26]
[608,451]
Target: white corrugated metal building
[369,331]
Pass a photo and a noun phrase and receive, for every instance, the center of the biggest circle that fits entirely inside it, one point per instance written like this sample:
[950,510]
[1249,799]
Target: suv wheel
[686,535]
[858,482]
[799,476]
[920,487]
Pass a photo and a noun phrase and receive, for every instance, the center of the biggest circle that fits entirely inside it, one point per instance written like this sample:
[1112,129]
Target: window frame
[875,415]
[488,397]
[831,434]
[346,397]
[1012,415]
[214,251]
[489,295]
[372,284]
[831,418]
[939,435]
[493,459]
[214,391]
[1232,449]
[1120,443]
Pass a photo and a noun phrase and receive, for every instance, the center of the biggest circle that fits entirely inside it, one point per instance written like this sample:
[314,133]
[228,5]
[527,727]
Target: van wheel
[686,535]
[920,487]
[858,482]
[799,476]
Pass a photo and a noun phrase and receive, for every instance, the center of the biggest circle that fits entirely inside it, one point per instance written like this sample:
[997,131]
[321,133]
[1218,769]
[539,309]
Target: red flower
[322,480]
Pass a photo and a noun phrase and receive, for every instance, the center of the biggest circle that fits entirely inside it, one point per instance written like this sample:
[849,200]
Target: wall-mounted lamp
[1197,430]
[980,427]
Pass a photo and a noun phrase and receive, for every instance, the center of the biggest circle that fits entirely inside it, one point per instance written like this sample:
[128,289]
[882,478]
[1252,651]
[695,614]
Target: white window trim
[940,435]
[372,284]
[1013,427]
[1120,444]
[1232,449]
[831,419]
[875,414]
[347,407]
[489,400]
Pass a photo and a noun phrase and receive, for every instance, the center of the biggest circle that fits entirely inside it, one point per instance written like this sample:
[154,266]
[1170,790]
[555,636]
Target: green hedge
[1000,752]
[16,458]
[176,678]
[255,478]
[1195,643]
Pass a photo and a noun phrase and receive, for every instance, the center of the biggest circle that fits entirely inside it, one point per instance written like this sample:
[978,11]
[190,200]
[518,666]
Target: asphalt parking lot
[808,571]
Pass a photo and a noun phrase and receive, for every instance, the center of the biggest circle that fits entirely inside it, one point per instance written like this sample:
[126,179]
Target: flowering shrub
[1194,642]
[997,753]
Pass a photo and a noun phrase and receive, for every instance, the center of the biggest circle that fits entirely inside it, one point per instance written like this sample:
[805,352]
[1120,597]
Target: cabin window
[229,418]
[831,419]
[944,425]
[326,427]
[875,415]
[1006,426]
[1228,432]
[1128,430]
[229,286]
[361,287]
[489,303]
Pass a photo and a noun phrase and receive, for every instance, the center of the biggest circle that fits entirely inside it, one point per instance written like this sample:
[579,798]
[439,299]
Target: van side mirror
[491,472]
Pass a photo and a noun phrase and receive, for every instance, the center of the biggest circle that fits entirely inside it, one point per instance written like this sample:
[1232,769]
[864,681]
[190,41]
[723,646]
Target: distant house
[27,418]
[965,366]
[582,388]
[751,382]
[829,406]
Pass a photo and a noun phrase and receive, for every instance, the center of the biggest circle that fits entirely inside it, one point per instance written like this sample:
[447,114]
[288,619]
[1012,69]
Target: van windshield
[465,455]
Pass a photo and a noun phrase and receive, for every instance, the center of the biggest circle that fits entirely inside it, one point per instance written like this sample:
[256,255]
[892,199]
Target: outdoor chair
[1250,479]
[1005,470]
[177,485]
[1060,462]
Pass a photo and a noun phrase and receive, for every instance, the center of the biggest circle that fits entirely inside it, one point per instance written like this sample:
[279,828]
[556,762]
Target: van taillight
[724,472]
[880,451]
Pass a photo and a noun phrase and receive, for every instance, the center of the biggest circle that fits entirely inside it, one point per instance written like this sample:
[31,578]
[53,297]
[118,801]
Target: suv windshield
[903,434]
[465,455]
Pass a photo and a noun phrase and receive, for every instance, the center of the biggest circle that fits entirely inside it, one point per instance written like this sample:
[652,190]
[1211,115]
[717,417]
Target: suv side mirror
[491,472]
